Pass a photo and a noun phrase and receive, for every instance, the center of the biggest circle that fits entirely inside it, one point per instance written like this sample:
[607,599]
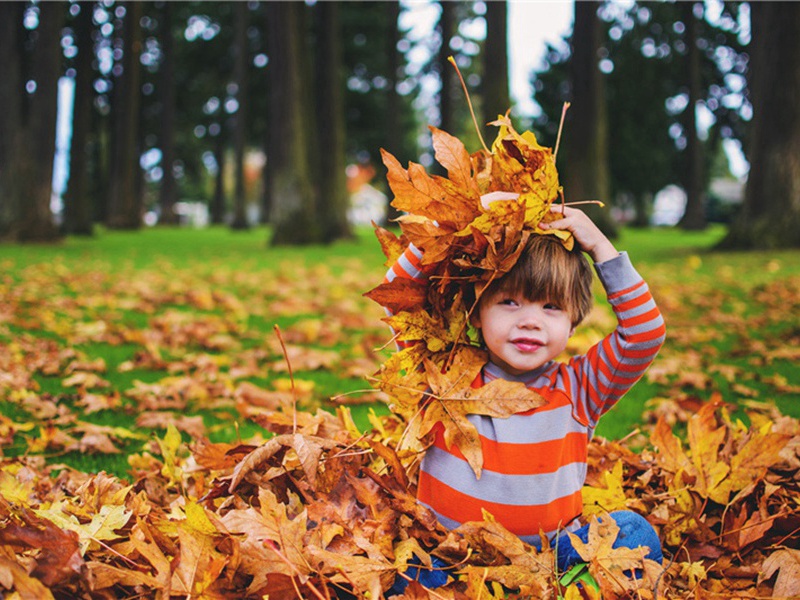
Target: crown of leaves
[471,227]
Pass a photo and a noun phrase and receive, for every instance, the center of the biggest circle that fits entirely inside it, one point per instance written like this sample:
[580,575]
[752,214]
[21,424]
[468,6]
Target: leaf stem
[291,377]
[469,103]
[560,128]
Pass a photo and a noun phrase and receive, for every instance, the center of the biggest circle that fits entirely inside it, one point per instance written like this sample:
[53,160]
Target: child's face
[522,335]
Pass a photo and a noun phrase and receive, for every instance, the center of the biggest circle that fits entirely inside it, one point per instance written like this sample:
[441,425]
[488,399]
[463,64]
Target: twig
[291,378]
[560,128]
[469,103]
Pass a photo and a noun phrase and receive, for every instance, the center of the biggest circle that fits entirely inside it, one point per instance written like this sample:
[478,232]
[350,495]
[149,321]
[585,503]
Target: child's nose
[530,318]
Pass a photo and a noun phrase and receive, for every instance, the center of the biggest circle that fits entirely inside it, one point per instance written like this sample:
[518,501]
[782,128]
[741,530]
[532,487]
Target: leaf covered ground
[155,443]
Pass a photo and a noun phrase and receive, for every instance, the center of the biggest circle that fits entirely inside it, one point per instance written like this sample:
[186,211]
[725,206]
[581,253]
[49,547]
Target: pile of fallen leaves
[320,511]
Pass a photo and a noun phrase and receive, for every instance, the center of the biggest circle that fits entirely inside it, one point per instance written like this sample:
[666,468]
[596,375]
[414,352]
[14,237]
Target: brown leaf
[786,563]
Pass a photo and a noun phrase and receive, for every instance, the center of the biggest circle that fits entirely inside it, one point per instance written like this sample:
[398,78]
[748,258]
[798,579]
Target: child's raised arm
[589,237]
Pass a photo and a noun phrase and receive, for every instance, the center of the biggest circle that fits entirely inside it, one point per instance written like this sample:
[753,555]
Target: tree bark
[694,218]
[393,129]
[496,98]
[125,203]
[218,200]
[168,191]
[333,197]
[770,214]
[447,24]
[585,172]
[78,218]
[11,94]
[33,175]
[293,201]
[240,12]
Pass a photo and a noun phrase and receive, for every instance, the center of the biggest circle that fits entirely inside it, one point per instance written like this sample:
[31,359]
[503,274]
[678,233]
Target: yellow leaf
[610,498]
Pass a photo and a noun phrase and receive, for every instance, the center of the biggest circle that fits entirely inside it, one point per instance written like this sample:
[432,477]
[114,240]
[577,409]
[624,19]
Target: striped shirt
[535,462]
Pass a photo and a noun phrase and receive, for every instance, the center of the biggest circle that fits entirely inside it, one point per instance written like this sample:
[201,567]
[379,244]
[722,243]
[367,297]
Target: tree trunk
[333,197]
[496,99]
[240,12]
[770,214]
[695,216]
[218,200]
[33,176]
[447,73]
[585,169]
[168,192]
[125,205]
[11,95]
[78,218]
[393,131]
[293,201]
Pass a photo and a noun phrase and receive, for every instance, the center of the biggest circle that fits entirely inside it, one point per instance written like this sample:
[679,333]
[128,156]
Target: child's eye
[551,306]
[507,302]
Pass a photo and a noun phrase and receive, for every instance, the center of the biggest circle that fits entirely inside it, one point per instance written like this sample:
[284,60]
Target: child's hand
[587,234]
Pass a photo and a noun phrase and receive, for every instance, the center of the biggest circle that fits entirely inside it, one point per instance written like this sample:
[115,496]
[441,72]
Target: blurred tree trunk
[447,24]
[218,200]
[393,129]
[240,12]
[294,216]
[694,183]
[11,95]
[168,191]
[585,173]
[496,99]
[333,197]
[78,217]
[125,203]
[770,215]
[33,173]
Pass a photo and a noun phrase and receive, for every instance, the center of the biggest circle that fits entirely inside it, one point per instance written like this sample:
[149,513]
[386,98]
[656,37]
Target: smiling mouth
[527,345]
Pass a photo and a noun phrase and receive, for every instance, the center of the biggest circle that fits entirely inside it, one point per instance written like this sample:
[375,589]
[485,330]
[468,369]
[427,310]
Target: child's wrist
[603,251]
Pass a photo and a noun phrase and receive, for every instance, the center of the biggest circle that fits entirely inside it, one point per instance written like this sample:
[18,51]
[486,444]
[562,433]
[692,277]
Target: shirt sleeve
[408,266]
[612,366]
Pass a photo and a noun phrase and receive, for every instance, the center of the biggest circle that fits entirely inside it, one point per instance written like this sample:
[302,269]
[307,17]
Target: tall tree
[78,218]
[125,202]
[33,173]
[585,175]
[168,191]
[11,95]
[294,217]
[447,75]
[240,76]
[332,181]
[495,88]
[694,183]
[393,133]
[770,215]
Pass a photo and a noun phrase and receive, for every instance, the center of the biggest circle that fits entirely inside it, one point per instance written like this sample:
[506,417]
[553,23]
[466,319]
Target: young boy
[535,462]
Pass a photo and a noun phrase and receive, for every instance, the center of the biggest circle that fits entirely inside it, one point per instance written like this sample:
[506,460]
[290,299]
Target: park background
[219,173]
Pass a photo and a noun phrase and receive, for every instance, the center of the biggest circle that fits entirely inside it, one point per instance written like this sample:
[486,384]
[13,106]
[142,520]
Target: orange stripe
[526,459]
[650,315]
[521,520]
[634,302]
[626,290]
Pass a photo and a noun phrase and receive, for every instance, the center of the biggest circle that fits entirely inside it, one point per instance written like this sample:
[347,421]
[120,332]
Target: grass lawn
[105,341]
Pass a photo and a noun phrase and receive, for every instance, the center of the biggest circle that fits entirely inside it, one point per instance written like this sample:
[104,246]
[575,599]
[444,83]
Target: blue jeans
[634,531]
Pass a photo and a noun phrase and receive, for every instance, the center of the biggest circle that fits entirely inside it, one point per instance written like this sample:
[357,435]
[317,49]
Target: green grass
[729,315]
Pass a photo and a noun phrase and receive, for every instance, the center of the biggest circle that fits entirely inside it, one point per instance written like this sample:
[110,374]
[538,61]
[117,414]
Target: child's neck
[495,372]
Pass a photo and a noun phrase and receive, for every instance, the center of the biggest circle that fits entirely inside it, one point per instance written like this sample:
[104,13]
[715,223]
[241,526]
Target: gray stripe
[514,490]
[542,426]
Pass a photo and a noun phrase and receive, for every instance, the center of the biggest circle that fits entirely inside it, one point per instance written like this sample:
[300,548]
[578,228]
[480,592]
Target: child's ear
[572,331]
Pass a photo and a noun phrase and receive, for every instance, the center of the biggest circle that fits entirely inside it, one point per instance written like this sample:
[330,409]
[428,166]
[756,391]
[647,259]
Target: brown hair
[547,271]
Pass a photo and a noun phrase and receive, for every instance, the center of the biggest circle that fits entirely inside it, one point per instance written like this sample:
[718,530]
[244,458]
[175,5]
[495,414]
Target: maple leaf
[453,397]
[786,563]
